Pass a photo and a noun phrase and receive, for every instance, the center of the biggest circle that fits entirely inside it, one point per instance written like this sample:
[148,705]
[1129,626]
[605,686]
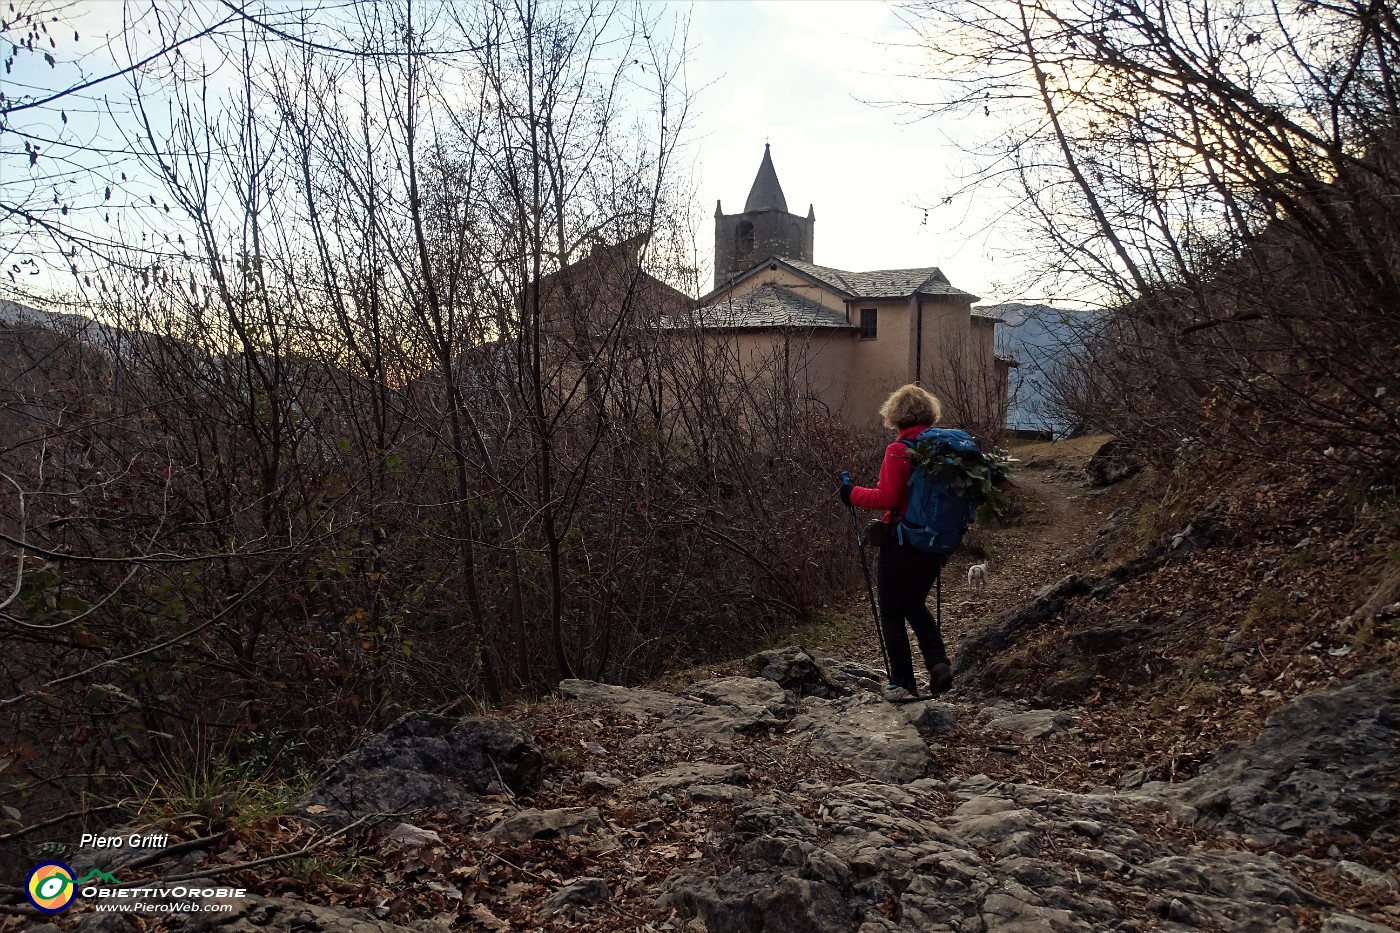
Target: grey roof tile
[769,306]
[882,283]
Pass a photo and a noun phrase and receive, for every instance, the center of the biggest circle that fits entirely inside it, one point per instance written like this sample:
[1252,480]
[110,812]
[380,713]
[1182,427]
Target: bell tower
[764,229]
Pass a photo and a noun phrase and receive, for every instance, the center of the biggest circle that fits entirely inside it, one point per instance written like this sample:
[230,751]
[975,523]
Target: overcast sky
[802,75]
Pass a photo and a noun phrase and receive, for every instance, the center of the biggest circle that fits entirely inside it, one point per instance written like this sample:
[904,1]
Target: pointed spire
[766,194]
[719,211]
[811,212]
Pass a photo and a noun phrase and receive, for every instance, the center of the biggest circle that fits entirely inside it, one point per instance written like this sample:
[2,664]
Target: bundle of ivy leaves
[968,473]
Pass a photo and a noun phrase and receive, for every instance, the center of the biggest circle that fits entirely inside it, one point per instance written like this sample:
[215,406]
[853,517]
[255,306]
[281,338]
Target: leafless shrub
[374,433]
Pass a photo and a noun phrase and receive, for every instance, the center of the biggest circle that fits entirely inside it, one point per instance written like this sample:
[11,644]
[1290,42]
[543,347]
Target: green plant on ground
[980,542]
[250,777]
[1383,496]
[1145,525]
[1268,602]
[1376,631]
[1201,692]
[1021,509]
[563,757]
[339,866]
[466,705]
[53,849]
[1297,559]
[1020,664]
[830,627]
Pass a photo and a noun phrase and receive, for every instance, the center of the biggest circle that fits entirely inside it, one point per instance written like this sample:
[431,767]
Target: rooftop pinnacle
[766,194]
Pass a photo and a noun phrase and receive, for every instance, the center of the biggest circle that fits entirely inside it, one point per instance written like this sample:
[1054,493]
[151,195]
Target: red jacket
[891,491]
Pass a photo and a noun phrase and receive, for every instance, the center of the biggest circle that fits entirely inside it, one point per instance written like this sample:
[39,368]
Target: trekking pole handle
[845,478]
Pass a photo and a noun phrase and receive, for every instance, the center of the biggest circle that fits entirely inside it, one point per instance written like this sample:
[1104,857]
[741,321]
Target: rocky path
[793,799]
[788,797]
[902,844]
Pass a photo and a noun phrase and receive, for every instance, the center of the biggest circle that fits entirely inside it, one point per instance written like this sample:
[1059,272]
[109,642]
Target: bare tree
[409,410]
[973,385]
[1225,178]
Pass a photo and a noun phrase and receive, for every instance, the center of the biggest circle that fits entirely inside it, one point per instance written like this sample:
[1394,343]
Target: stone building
[847,339]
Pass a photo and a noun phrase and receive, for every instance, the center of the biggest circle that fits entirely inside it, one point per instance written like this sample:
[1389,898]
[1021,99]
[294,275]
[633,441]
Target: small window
[744,239]
[867,323]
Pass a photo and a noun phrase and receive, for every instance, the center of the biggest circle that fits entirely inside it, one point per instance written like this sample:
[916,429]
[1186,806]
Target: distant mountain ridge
[1042,339]
[14,314]
[111,341]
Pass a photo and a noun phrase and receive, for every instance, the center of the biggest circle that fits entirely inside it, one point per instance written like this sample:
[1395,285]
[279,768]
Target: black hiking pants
[903,577]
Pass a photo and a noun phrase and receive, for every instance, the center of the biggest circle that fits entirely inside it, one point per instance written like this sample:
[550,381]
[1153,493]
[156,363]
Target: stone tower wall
[768,233]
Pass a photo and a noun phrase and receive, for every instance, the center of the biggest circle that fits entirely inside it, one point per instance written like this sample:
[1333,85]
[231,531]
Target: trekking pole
[938,595]
[869,588]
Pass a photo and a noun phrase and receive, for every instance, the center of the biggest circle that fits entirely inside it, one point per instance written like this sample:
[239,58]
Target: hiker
[904,574]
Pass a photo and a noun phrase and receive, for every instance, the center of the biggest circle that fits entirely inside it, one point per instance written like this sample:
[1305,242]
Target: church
[848,339]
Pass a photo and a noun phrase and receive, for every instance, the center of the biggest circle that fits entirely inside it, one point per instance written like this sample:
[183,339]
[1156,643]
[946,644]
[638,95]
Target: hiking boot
[894,693]
[940,679]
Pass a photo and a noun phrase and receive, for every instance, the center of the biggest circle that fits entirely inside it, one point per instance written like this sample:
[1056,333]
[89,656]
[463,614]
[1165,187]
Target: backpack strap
[897,517]
[911,443]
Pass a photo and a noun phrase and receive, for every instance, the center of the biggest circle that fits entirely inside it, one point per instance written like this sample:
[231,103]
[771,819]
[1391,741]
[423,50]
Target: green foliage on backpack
[968,473]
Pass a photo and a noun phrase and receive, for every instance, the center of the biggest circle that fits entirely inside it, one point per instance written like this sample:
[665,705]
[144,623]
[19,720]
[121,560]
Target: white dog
[977,575]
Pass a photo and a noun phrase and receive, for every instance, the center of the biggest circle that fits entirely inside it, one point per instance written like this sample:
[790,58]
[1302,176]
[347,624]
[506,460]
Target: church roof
[769,306]
[766,194]
[881,283]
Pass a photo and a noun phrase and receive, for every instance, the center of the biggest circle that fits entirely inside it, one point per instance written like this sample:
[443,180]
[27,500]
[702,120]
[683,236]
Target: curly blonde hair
[910,406]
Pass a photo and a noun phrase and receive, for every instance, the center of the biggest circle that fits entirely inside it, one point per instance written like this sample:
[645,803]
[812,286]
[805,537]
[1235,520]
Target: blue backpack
[939,510]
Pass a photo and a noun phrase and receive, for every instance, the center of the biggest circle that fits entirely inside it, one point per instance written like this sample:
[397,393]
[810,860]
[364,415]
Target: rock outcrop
[1008,857]
[1113,462]
[1048,603]
[1325,762]
[424,760]
[819,711]
[901,851]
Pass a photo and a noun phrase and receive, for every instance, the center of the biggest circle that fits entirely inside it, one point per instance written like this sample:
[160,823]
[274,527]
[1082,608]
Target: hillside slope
[1173,711]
